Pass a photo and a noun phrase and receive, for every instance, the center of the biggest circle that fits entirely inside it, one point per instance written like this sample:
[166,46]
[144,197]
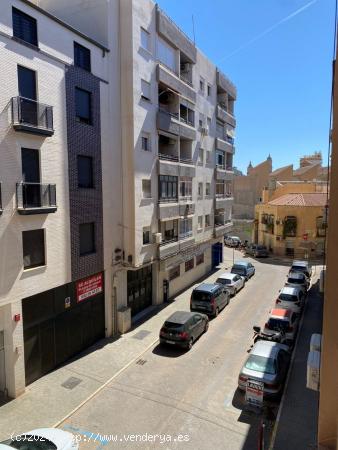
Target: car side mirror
[257,329]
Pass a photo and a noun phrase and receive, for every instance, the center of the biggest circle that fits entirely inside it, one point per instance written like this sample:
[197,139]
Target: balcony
[225,116]
[168,210]
[36,198]
[170,79]
[29,116]
[222,201]
[186,207]
[168,122]
[223,173]
[225,144]
[168,248]
[221,227]
[225,85]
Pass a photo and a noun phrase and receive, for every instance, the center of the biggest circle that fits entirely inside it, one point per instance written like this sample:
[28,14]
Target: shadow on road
[168,351]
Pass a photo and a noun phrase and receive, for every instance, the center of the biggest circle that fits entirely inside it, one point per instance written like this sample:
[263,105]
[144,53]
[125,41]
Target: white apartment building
[53,84]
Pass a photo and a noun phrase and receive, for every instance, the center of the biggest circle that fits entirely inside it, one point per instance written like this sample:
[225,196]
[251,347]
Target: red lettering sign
[89,287]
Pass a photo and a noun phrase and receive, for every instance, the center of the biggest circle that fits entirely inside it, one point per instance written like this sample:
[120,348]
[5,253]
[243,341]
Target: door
[2,363]
[217,254]
[27,91]
[31,191]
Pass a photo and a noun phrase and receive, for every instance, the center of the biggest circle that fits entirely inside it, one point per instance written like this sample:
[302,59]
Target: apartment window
[166,54]
[175,272]
[82,57]
[185,228]
[207,220]
[33,246]
[146,235]
[145,142]
[185,187]
[83,105]
[200,189]
[145,39]
[168,188]
[202,84]
[207,189]
[169,230]
[87,238]
[145,90]
[220,189]
[219,130]
[220,159]
[24,27]
[146,188]
[290,227]
[199,259]
[200,156]
[209,90]
[85,171]
[189,265]
[200,223]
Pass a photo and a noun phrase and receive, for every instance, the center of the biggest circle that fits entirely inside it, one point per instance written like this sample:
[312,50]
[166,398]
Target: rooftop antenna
[193,29]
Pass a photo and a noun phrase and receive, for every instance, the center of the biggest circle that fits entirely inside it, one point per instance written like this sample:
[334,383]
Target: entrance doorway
[139,289]
[217,254]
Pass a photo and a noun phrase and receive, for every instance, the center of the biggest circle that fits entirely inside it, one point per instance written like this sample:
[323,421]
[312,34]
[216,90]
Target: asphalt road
[174,399]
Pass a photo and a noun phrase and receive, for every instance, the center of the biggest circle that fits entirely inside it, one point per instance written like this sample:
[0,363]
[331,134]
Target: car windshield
[172,325]
[29,442]
[288,297]
[201,296]
[277,324]
[223,280]
[299,268]
[238,269]
[295,280]
[261,364]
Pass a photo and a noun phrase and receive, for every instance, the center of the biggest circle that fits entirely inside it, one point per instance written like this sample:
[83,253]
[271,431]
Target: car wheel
[191,341]
[206,327]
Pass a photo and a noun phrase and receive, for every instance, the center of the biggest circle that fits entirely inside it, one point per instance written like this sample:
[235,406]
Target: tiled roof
[306,199]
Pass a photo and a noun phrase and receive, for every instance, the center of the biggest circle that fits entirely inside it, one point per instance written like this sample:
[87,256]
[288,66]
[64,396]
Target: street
[187,399]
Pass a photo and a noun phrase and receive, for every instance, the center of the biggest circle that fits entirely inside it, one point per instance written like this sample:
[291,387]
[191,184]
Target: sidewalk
[52,397]
[297,425]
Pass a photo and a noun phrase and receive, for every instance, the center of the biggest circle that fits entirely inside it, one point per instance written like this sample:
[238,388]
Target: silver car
[232,281]
[268,362]
[291,297]
[298,279]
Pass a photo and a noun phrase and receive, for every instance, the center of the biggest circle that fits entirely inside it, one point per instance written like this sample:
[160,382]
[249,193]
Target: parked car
[291,297]
[285,320]
[268,362]
[42,439]
[302,266]
[209,298]
[232,282]
[244,269]
[298,279]
[257,250]
[183,328]
[232,241]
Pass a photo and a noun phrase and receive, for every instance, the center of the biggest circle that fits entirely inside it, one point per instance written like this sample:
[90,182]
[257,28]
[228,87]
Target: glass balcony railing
[31,116]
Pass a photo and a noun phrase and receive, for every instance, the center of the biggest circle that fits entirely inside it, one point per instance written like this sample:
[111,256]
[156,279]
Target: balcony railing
[163,109]
[32,117]
[225,108]
[168,157]
[186,79]
[187,121]
[186,234]
[221,223]
[169,241]
[186,160]
[36,198]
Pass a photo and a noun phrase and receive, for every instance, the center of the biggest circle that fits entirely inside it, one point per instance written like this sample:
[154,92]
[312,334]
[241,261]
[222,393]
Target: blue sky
[283,79]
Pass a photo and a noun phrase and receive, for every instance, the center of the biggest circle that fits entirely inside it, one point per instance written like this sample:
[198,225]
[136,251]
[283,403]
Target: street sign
[254,392]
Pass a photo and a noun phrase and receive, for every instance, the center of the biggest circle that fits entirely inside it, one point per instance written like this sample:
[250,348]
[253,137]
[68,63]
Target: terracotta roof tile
[305,199]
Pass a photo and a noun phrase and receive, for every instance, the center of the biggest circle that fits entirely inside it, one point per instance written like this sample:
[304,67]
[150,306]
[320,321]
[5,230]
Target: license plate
[170,342]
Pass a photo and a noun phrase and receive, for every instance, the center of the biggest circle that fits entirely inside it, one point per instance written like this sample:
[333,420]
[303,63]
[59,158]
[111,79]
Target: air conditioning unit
[158,238]
[313,368]
[204,130]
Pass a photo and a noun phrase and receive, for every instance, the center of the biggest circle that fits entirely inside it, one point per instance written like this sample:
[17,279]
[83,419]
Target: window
[33,245]
[200,189]
[202,83]
[207,189]
[146,188]
[146,235]
[189,265]
[145,142]
[200,223]
[85,177]
[321,228]
[87,238]
[290,227]
[81,57]
[185,187]
[169,230]
[220,189]
[185,228]
[200,156]
[207,220]
[220,159]
[209,90]
[175,272]
[145,39]
[168,188]
[24,27]
[145,90]
[83,105]
[199,259]
[166,55]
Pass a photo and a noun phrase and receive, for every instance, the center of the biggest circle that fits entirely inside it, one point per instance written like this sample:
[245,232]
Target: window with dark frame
[168,188]
[24,27]
[175,272]
[85,178]
[33,246]
[87,238]
[83,105]
[146,236]
[189,265]
[199,259]
[82,57]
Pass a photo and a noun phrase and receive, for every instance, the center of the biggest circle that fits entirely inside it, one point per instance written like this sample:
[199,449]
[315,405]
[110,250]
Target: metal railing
[226,109]
[168,157]
[187,121]
[186,79]
[186,160]
[35,195]
[186,234]
[163,110]
[169,241]
[29,112]
[219,223]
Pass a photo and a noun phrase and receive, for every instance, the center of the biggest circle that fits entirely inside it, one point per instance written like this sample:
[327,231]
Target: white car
[232,241]
[291,297]
[42,439]
[232,282]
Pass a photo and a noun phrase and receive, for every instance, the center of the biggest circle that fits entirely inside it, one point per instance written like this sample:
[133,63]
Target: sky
[279,55]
